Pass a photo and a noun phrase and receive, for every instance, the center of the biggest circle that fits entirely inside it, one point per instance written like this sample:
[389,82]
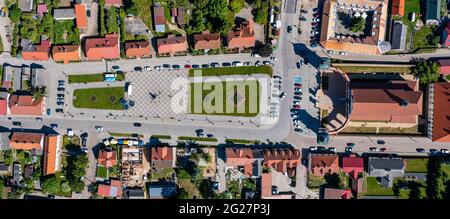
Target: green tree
[261,15]
[76,168]
[51,184]
[197,23]
[122,25]
[183,194]
[434,179]
[426,71]
[236,5]
[14,13]
[414,192]
[217,9]
[333,180]
[2,185]
[39,92]
[358,24]
[201,3]
[101,8]
[113,27]
[447,190]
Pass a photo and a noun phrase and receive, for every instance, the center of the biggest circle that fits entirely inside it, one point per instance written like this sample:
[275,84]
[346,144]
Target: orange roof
[3,107]
[107,158]
[239,156]
[103,48]
[37,52]
[80,13]
[243,37]
[66,53]
[441,113]
[51,146]
[137,49]
[26,141]
[324,160]
[398,7]
[206,40]
[161,153]
[25,105]
[112,190]
[282,160]
[266,185]
[171,45]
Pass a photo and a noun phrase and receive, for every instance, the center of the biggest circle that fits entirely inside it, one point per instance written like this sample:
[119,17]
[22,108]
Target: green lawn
[374,69]
[241,70]
[99,77]
[374,189]
[228,102]
[315,181]
[350,129]
[99,98]
[242,141]
[102,172]
[144,11]
[133,37]
[189,138]
[410,6]
[418,165]
[447,77]
[420,38]
[389,130]
[121,134]
[165,173]
[161,136]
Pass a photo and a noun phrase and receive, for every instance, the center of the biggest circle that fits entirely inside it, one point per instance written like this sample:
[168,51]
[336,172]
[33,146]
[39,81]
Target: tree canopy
[426,71]
[358,24]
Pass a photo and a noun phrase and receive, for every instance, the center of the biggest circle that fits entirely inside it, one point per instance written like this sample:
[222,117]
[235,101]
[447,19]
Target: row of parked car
[277,95]
[315,26]
[296,104]
[60,97]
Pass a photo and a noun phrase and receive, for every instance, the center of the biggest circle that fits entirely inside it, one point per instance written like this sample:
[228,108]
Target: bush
[236,5]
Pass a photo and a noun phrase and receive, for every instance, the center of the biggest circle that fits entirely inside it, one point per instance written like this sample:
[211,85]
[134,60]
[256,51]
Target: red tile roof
[242,37]
[38,52]
[113,190]
[103,48]
[444,65]
[398,7]
[158,15]
[282,160]
[206,40]
[337,193]
[137,49]
[26,141]
[243,157]
[171,45]
[266,185]
[353,166]
[51,145]
[162,153]
[3,107]
[441,112]
[25,105]
[322,164]
[81,17]
[107,158]
[66,53]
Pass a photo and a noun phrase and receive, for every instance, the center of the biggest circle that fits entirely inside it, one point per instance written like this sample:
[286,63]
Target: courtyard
[99,98]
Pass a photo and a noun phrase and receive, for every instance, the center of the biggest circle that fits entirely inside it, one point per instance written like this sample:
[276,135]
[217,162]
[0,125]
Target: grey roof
[27,45]
[26,5]
[64,13]
[8,72]
[377,163]
[38,77]
[433,10]
[17,79]
[398,36]
[4,140]
[134,194]
[160,191]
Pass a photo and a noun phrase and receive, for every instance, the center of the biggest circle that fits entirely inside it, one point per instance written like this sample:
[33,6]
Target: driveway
[92,29]
[4,21]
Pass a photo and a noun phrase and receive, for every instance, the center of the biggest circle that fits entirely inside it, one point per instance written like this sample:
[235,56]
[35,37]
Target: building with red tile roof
[26,141]
[3,107]
[392,101]
[113,190]
[444,66]
[330,193]
[446,35]
[321,164]
[107,158]
[206,40]
[26,105]
[282,160]
[159,21]
[353,165]
[66,53]
[137,49]
[247,159]
[80,16]
[116,3]
[162,157]
[243,36]
[180,16]
[398,7]
[35,52]
[438,112]
[107,47]
[172,45]
[266,185]
[52,154]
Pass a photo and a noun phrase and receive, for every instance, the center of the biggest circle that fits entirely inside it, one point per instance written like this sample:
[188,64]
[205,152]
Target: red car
[296,106]
[187,66]
[297,84]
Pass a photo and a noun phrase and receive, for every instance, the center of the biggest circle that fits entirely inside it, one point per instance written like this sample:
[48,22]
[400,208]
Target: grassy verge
[102,172]
[188,138]
[418,165]
[135,37]
[374,69]
[390,130]
[161,136]
[359,130]
[99,98]
[241,70]
[242,141]
[120,134]
[87,78]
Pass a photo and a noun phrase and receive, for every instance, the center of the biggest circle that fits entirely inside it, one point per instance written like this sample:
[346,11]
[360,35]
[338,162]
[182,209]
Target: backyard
[99,98]
[99,77]
[417,165]
[165,173]
[102,172]
[242,70]
[235,99]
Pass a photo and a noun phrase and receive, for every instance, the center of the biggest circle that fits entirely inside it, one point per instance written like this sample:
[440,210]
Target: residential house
[180,16]
[64,3]
[206,41]
[64,14]
[28,171]
[80,16]
[26,5]
[172,45]
[322,164]
[353,165]
[137,49]
[26,105]
[107,47]
[438,129]
[242,37]
[398,36]
[38,77]
[4,141]
[159,21]
[66,53]
[115,3]
[12,77]
[113,190]
[134,193]
[433,12]
[386,169]
[3,107]
[269,191]
[162,157]
[282,160]
[52,154]
[162,190]
[395,102]
[107,158]
[42,9]
[330,193]
[446,35]
[247,160]
[444,66]
[398,7]
[26,141]
[35,52]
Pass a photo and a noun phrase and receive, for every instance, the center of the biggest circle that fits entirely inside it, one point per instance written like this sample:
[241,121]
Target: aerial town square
[225,99]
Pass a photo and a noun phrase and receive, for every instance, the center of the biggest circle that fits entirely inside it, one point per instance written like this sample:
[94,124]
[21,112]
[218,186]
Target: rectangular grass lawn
[87,78]
[240,70]
[418,165]
[99,98]
[244,107]
[374,189]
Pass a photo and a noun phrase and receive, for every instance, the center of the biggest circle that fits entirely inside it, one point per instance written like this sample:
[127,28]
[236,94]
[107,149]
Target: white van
[129,89]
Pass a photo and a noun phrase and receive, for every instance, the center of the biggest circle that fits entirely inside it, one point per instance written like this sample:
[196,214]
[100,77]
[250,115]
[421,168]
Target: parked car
[157,67]
[60,95]
[297,93]
[59,110]
[17,123]
[314,32]
[195,66]
[348,149]
[332,149]
[61,81]
[60,99]
[83,142]
[315,10]
[383,149]
[282,95]
[296,106]
[314,24]
[115,67]
[257,63]
[237,63]
[99,128]
[137,68]
[316,19]
[147,68]
[225,64]
[49,111]
[302,18]
[88,13]
[137,124]
[330,52]
[247,63]
[54,125]
[420,150]
[374,149]
[297,89]
[296,102]
[273,58]
[313,148]
[298,130]
[289,29]
[166,66]
[187,66]
[215,64]
[205,66]
[176,66]
[298,65]
[313,45]
[321,148]
[303,11]
[445,151]
[277,77]
[255,55]
[297,97]
[297,85]
[343,53]
[59,103]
